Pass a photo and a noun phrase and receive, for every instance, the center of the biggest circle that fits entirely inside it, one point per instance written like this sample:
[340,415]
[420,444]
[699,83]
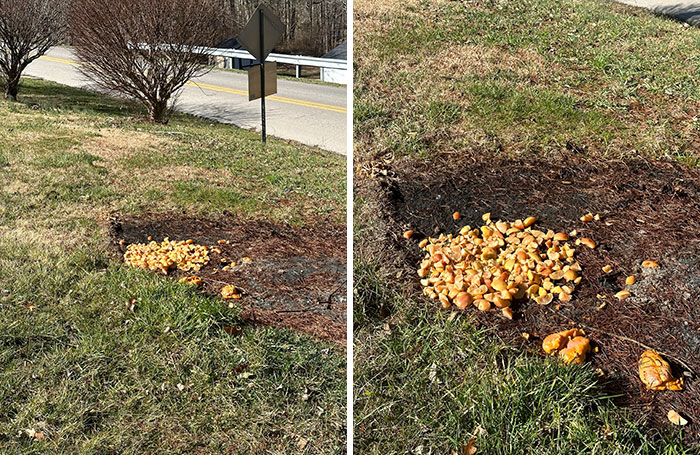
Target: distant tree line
[144,48]
[314,27]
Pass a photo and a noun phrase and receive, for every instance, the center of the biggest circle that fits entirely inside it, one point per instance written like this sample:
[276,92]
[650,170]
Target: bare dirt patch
[296,277]
[649,210]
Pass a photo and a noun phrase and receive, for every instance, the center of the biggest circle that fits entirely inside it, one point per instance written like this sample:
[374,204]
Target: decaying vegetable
[184,255]
[498,263]
[230,292]
[507,313]
[650,264]
[588,242]
[622,295]
[655,372]
[571,345]
[558,341]
[194,280]
[630,280]
[575,350]
[676,418]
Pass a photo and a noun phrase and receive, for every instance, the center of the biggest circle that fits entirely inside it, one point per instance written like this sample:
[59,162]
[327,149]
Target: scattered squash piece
[507,313]
[622,295]
[482,304]
[650,264]
[630,280]
[230,292]
[588,242]
[463,300]
[408,234]
[194,280]
[655,373]
[576,350]
[557,341]
[545,299]
[676,418]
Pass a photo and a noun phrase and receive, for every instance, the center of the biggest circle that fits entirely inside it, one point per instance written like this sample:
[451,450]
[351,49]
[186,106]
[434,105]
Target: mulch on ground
[296,279]
[649,210]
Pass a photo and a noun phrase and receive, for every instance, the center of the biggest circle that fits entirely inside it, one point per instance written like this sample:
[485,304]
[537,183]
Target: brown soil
[649,210]
[297,277]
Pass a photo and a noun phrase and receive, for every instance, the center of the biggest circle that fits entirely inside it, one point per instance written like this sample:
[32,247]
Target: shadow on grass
[49,95]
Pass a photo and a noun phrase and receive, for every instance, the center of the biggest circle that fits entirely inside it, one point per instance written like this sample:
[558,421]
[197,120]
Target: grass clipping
[498,263]
[167,255]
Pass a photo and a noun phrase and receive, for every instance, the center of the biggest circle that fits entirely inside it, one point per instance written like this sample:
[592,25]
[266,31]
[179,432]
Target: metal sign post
[260,35]
[262,77]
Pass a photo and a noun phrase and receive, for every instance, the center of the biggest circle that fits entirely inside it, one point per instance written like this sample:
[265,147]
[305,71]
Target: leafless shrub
[28,28]
[144,48]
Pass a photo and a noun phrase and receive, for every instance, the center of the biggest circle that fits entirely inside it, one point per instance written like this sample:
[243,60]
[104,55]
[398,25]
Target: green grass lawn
[443,80]
[529,76]
[92,376]
[428,381]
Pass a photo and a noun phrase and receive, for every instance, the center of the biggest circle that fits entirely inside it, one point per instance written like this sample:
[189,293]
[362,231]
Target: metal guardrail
[298,60]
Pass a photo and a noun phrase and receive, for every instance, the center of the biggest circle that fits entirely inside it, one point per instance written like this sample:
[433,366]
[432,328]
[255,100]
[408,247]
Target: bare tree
[144,49]
[28,28]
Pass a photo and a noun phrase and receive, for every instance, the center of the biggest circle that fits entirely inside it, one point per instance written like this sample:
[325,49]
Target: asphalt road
[686,11]
[312,114]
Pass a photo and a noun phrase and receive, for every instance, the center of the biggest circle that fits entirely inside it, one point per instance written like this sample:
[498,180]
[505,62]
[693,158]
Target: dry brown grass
[114,144]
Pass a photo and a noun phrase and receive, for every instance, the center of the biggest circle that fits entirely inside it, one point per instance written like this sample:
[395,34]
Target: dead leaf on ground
[36,435]
[469,448]
[432,374]
[233,330]
[386,328]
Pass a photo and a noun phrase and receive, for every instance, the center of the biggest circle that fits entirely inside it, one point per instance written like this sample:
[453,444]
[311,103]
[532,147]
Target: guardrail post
[242,59]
